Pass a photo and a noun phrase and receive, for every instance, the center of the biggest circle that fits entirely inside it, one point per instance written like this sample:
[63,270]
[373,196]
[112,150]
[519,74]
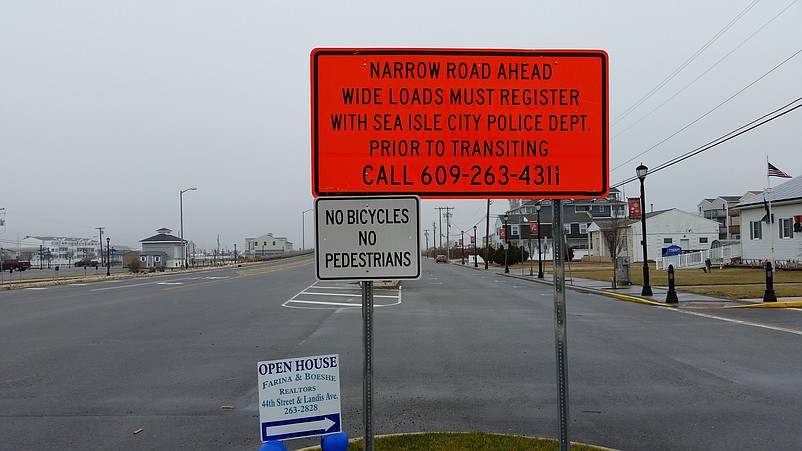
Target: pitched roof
[161,238]
[788,191]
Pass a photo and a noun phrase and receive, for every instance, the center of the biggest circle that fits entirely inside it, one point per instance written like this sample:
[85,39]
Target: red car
[441,259]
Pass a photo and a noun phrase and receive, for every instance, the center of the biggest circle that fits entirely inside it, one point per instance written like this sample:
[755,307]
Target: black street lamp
[505,218]
[642,171]
[475,262]
[108,256]
[539,256]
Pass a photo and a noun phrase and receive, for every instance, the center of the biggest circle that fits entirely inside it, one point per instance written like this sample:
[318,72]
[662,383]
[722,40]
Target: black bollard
[671,296]
[768,295]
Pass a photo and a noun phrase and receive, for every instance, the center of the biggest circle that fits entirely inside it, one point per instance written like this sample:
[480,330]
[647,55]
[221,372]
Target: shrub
[134,266]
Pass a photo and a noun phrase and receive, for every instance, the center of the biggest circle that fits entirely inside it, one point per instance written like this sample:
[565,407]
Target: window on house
[668,240]
[583,228]
[580,208]
[786,228]
[567,228]
[274,243]
[515,230]
[703,240]
[157,259]
[143,259]
[755,230]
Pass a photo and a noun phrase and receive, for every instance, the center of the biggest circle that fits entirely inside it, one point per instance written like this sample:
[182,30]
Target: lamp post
[539,256]
[505,218]
[183,243]
[108,256]
[642,171]
[475,258]
[303,228]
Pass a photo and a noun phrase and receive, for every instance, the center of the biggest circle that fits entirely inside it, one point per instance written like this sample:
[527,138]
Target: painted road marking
[738,321]
[343,295]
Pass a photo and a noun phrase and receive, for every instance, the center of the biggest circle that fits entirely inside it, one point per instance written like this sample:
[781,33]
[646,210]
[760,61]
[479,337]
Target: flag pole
[771,228]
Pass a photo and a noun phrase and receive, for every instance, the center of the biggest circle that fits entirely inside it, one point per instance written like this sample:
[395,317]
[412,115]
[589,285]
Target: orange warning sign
[443,123]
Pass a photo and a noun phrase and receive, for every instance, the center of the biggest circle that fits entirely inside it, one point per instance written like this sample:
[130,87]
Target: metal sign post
[367,376]
[367,239]
[560,333]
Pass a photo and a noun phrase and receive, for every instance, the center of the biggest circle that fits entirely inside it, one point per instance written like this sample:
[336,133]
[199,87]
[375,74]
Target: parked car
[15,265]
[441,259]
[86,263]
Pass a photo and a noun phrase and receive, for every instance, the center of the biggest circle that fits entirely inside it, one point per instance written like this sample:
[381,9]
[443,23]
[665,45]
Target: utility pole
[101,244]
[434,238]
[426,234]
[448,230]
[440,216]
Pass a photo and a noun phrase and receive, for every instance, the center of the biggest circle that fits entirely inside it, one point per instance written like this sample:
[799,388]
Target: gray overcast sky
[109,108]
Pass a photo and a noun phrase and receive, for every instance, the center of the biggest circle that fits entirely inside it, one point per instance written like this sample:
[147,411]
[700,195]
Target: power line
[710,111]
[705,72]
[683,65]
[721,140]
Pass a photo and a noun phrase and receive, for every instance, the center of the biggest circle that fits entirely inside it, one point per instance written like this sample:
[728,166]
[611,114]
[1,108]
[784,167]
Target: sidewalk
[632,293]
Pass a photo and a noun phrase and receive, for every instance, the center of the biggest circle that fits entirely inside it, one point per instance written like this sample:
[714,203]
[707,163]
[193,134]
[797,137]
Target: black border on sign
[370,198]
[317,53]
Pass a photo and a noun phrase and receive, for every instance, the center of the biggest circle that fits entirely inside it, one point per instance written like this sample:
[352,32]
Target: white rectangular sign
[299,397]
[367,238]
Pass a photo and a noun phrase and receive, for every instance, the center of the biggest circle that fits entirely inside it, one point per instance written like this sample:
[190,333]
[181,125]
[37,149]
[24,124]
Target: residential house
[54,250]
[777,235]
[721,209]
[266,245]
[577,215]
[162,250]
[665,228]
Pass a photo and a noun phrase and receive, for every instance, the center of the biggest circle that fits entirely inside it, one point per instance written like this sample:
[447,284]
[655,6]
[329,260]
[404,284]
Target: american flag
[774,172]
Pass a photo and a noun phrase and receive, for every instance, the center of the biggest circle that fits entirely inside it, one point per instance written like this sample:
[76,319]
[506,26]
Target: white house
[267,244]
[663,228]
[780,239]
[58,250]
[162,250]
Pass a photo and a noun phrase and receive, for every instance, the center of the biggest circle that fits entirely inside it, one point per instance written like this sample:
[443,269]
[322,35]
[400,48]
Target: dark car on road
[441,259]
[86,263]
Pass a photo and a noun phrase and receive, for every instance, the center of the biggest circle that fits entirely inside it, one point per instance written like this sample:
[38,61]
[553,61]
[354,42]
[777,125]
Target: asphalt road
[87,366]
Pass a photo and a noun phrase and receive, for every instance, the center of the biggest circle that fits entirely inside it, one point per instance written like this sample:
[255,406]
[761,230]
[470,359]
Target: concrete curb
[791,304]
[353,440]
[610,294]
[628,298]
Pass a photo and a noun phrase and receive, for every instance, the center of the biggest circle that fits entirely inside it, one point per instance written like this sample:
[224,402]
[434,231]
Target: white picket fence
[717,256]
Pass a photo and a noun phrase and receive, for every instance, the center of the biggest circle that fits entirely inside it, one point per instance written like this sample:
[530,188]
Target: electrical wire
[776,114]
[683,65]
[710,111]
[705,72]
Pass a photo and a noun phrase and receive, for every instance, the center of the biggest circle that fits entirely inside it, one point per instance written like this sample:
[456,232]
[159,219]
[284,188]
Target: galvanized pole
[367,376]
[560,332]
[487,235]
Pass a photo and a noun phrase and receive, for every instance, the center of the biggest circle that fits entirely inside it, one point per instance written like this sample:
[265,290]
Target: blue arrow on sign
[301,427]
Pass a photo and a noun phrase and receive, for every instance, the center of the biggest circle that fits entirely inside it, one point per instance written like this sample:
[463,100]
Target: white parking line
[738,321]
[316,295]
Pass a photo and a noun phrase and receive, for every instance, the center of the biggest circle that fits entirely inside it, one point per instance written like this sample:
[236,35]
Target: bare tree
[614,236]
